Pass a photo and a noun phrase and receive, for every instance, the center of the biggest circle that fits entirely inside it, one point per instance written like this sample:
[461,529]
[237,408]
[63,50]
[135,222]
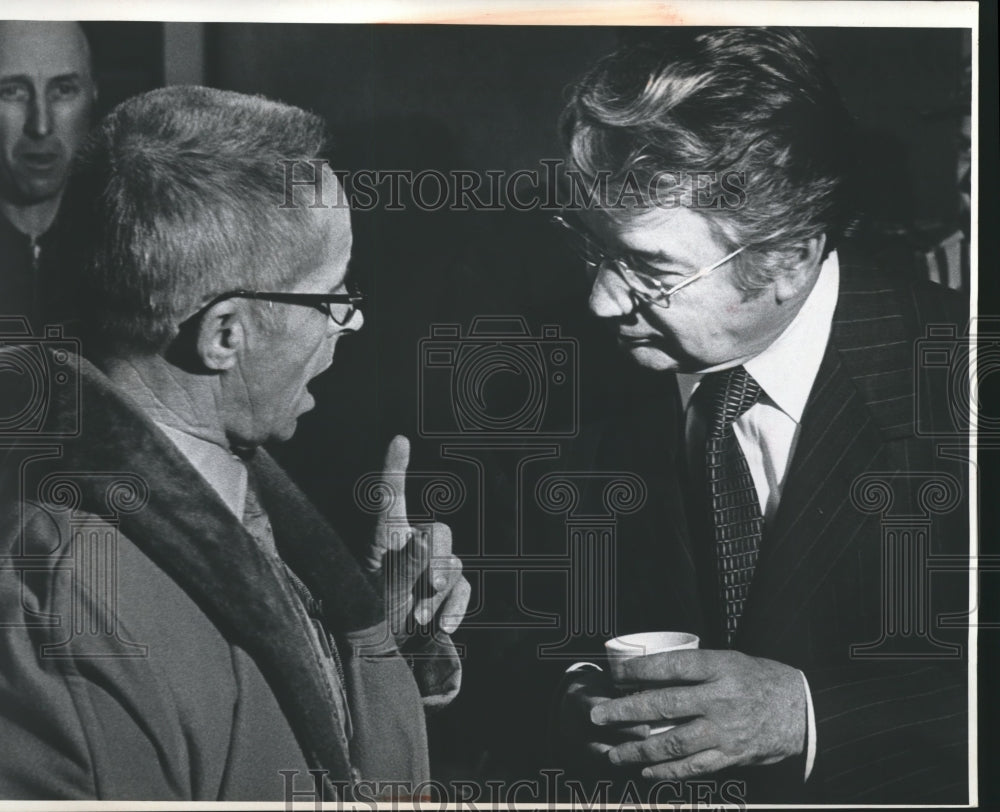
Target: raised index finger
[392,525]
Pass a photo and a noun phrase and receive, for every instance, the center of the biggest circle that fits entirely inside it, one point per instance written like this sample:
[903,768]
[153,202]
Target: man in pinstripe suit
[807,685]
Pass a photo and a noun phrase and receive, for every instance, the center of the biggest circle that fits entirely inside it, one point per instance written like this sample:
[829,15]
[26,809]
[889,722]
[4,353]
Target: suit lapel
[862,398]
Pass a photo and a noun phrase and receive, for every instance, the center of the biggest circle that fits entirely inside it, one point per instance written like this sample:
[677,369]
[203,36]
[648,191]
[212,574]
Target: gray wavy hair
[179,191]
[749,103]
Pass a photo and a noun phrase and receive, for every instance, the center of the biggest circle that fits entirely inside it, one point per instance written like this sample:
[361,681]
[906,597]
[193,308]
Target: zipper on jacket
[36,254]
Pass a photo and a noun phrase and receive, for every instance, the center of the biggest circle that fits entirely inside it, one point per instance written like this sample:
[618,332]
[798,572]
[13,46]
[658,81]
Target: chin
[652,358]
[39,192]
[284,433]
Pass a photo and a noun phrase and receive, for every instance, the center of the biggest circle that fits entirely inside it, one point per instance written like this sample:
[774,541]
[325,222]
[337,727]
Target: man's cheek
[76,125]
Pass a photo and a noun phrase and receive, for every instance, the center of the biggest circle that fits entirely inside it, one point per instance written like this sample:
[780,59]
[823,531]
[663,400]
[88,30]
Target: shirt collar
[219,466]
[787,369]
[203,445]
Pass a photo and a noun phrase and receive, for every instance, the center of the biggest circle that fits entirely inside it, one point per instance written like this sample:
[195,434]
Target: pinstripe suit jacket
[838,562]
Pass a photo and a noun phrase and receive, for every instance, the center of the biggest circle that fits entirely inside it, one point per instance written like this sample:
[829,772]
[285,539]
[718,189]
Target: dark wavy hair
[752,101]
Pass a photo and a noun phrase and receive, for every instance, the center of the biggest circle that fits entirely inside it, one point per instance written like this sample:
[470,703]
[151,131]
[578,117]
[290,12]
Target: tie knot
[725,396]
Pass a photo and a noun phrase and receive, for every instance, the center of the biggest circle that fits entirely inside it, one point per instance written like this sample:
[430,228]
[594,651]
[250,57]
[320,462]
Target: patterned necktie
[737,521]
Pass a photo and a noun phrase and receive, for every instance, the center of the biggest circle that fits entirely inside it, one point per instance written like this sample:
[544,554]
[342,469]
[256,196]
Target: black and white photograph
[470,405]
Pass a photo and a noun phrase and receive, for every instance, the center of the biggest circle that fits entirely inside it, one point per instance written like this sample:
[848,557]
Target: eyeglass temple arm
[277,296]
[704,271]
[583,235]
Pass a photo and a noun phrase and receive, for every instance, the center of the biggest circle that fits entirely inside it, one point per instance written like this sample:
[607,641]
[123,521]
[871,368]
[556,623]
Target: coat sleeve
[436,669]
[390,736]
[45,751]
[81,715]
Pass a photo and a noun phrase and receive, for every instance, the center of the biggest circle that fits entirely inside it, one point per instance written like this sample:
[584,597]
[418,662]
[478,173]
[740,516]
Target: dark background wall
[128,59]
[496,90]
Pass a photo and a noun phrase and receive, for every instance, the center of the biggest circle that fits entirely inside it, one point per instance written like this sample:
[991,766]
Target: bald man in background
[47,93]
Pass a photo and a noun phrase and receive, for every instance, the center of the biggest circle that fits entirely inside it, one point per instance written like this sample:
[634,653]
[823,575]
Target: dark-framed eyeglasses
[647,288]
[324,302]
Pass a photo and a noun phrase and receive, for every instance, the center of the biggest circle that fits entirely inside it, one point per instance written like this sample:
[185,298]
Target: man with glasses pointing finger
[789,378]
[243,653]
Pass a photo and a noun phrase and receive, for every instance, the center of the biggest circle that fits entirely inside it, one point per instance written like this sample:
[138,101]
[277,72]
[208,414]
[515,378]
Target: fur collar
[186,530]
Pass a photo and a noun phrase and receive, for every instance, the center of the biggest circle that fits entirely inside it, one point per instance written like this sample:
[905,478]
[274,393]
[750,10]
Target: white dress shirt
[769,430]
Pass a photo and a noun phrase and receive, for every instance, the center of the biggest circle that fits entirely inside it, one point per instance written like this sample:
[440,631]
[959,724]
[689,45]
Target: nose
[610,296]
[39,122]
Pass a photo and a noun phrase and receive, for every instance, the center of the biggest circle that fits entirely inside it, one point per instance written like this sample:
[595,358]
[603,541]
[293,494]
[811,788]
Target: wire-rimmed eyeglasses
[647,288]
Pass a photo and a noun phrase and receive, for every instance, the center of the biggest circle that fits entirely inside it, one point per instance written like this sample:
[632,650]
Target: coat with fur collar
[149,649]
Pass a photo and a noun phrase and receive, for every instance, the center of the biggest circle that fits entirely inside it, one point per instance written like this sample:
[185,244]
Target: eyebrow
[63,76]
[619,249]
[655,256]
[25,78]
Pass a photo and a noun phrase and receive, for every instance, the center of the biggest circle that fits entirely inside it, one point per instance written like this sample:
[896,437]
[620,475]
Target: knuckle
[662,706]
[689,768]
[708,762]
[444,578]
[672,747]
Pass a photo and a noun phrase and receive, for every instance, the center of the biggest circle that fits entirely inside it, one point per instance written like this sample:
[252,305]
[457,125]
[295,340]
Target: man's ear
[221,335]
[801,270]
